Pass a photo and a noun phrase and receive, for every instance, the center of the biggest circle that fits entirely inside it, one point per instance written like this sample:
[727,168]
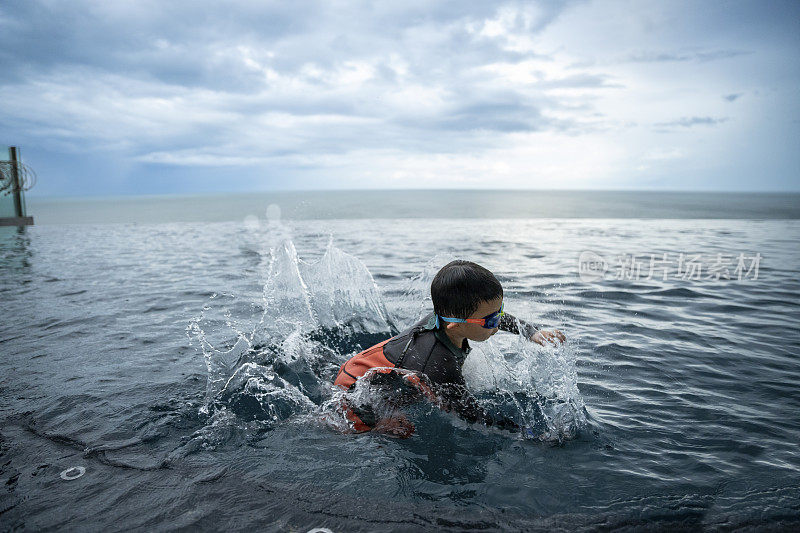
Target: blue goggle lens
[492,321]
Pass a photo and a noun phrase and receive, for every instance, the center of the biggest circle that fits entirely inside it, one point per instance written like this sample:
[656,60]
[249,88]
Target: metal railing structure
[15,178]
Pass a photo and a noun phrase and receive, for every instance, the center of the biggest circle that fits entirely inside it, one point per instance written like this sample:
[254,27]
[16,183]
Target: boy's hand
[554,337]
[398,426]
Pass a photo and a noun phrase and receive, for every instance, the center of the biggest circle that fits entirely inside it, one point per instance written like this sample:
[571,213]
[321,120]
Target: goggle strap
[470,320]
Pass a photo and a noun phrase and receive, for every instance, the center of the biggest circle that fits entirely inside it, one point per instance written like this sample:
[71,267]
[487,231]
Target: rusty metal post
[15,184]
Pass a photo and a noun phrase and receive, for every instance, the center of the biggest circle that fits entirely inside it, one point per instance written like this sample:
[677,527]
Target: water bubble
[273,212]
[251,223]
[73,472]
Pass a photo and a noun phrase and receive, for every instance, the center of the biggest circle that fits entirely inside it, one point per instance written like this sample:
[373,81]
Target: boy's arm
[457,398]
[516,326]
[536,334]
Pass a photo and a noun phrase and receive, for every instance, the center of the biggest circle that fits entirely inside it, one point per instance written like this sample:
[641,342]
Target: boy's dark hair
[459,288]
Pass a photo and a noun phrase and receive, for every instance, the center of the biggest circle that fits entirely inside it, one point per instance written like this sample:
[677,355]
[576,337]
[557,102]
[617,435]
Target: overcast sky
[150,97]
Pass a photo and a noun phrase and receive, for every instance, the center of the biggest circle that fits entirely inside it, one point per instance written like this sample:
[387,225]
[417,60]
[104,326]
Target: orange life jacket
[368,363]
[359,364]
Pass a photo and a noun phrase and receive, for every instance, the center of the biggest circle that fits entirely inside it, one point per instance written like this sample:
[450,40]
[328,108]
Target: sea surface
[166,363]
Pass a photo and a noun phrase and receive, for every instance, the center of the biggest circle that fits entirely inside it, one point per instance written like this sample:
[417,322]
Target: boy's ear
[452,325]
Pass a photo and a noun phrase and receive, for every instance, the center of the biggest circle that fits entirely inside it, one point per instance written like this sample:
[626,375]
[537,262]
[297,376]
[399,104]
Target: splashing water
[416,301]
[538,382]
[273,359]
[281,363]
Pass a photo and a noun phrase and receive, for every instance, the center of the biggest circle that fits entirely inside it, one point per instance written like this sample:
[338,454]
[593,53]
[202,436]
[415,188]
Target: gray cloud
[334,87]
[688,122]
[278,78]
[698,56]
[195,43]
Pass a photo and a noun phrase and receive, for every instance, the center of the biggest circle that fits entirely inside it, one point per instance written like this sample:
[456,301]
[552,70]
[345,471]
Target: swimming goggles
[488,322]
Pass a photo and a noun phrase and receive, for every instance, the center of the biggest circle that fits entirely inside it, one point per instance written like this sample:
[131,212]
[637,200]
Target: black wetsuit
[427,350]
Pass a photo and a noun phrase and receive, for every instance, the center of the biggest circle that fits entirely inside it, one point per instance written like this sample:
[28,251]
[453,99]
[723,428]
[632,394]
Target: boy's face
[474,332]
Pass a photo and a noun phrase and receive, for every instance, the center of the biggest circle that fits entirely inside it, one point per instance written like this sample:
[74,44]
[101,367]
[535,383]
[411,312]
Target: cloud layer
[149,97]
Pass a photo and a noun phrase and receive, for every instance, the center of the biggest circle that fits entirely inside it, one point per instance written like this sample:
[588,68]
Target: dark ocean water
[186,367]
[322,205]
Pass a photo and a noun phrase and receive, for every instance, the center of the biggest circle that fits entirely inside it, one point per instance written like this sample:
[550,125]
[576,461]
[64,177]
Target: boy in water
[467,306]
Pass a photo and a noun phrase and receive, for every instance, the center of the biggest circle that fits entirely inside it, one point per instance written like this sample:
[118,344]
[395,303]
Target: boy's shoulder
[422,349]
[414,334]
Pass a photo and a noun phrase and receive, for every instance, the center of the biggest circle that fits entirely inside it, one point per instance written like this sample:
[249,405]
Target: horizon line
[29,195]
